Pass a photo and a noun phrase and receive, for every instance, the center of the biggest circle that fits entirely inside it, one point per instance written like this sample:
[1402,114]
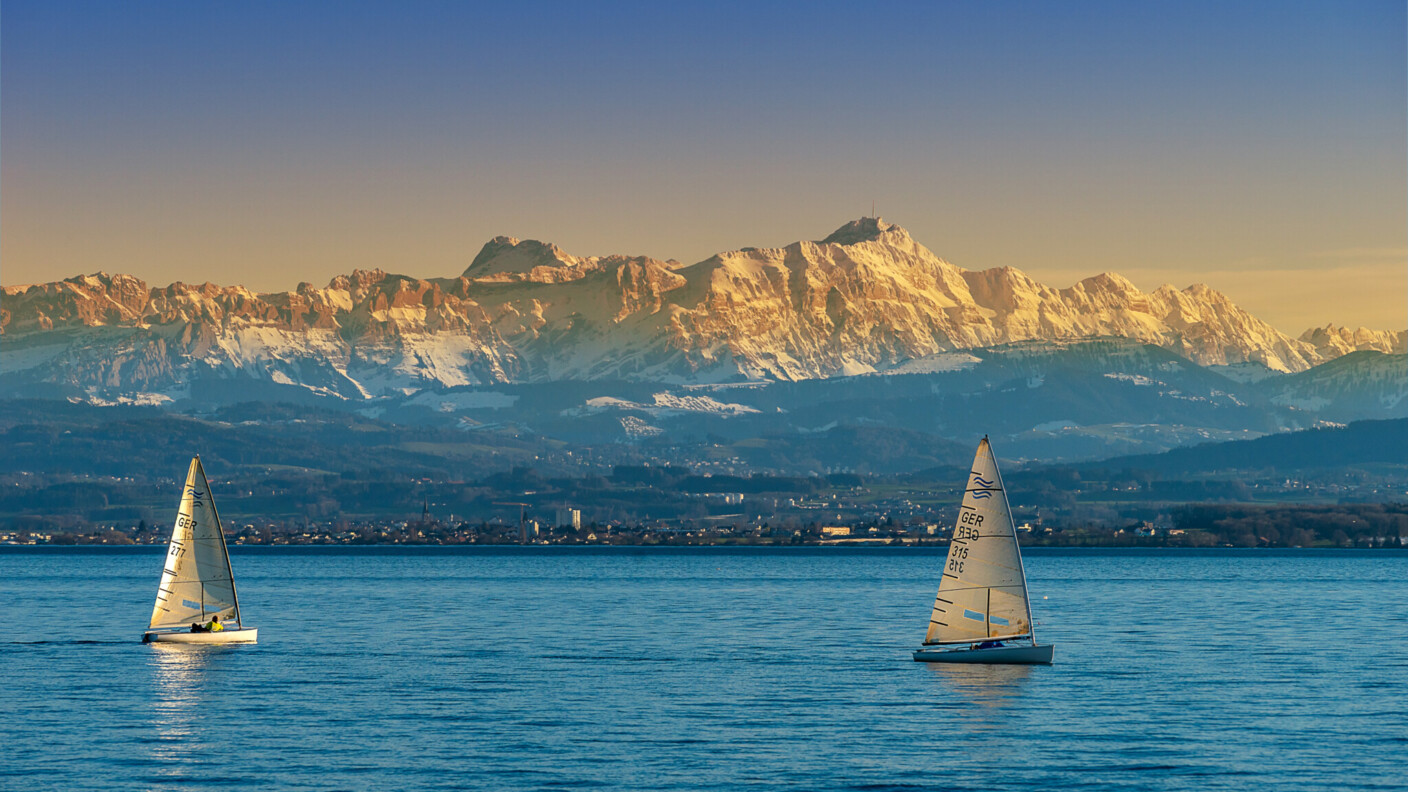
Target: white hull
[1024,655]
[222,637]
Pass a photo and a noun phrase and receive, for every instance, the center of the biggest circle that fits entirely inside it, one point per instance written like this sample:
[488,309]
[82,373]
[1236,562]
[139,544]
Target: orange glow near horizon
[1259,152]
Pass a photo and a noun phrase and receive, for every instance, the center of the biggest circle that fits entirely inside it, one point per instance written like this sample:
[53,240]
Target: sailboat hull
[1007,655]
[222,637]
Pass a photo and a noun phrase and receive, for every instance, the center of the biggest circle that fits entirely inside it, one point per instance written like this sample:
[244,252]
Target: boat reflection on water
[180,675]
[980,691]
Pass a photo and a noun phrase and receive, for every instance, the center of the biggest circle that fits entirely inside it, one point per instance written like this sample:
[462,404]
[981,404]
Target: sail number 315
[955,559]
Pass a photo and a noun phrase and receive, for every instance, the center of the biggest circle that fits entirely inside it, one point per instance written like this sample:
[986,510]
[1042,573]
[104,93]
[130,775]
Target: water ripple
[707,670]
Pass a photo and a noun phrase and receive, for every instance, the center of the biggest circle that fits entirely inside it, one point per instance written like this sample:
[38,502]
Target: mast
[224,548]
[1021,567]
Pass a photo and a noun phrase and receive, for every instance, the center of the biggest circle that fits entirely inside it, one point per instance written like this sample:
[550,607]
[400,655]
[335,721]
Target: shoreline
[721,549]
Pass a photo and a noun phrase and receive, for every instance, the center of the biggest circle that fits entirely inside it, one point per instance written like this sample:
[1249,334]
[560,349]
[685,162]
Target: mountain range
[865,298]
[865,327]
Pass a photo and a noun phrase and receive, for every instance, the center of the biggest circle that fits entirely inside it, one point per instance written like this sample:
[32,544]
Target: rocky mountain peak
[517,259]
[865,229]
[1108,283]
[1332,341]
[358,281]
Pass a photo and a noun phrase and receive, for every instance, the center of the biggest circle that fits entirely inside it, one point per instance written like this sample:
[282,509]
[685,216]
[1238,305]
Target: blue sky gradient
[1259,147]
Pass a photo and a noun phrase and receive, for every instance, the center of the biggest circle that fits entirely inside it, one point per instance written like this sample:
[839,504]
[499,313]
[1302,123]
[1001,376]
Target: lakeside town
[667,505]
[1380,529]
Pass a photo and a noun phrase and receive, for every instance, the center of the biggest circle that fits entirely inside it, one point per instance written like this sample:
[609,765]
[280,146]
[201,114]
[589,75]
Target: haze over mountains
[745,342]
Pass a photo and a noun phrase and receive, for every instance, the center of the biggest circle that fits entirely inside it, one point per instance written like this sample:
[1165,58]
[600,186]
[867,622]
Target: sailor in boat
[213,625]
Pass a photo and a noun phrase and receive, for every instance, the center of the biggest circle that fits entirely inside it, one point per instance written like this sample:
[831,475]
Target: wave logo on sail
[196,495]
[982,482]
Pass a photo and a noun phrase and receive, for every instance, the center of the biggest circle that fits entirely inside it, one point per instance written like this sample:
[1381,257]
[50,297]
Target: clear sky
[1261,148]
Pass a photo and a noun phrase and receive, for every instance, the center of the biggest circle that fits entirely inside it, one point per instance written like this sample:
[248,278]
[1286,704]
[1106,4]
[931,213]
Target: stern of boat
[250,635]
[1009,655]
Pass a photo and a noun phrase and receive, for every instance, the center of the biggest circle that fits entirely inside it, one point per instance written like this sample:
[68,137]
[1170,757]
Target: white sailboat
[982,613]
[197,584]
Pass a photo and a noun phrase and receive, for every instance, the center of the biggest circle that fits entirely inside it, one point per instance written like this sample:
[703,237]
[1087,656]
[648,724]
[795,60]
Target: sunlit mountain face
[865,329]
[868,298]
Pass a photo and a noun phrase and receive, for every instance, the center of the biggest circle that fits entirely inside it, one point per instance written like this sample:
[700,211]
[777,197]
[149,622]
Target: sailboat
[197,583]
[982,613]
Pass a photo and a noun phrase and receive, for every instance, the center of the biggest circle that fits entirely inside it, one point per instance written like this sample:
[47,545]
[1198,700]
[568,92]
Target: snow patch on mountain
[662,405]
[1055,426]
[936,364]
[635,427]
[1135,379]
[136,399]
[699,404]
[854,368]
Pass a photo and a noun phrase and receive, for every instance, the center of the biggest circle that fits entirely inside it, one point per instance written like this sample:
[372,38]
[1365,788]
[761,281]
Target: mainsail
[196,582]
[983,591]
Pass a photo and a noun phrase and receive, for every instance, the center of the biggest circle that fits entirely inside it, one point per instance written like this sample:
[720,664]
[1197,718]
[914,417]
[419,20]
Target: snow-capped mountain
[1331,342]
[866,298]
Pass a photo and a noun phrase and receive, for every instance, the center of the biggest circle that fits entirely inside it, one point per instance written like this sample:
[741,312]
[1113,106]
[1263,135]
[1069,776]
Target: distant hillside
[125,441]
[1360,443]
[1359,385]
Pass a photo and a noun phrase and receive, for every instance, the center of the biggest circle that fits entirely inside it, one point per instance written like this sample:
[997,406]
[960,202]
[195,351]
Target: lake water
[615,668]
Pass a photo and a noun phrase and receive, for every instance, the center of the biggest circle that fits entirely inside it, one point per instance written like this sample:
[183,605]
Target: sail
[196,582]
[983,591]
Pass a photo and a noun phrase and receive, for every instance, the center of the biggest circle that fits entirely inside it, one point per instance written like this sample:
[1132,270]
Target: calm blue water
[705,669]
